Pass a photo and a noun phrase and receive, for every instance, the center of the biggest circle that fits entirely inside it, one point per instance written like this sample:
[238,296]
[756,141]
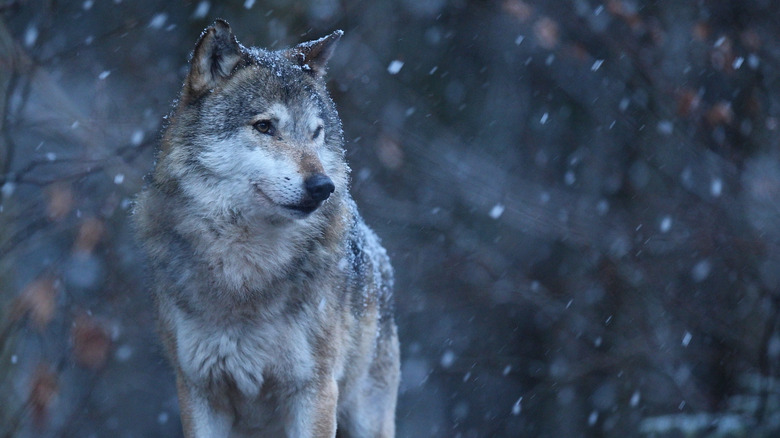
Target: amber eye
[317,132]
[265,127]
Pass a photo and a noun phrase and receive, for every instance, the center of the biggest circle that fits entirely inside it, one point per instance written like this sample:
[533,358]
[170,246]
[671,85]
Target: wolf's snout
[319,187]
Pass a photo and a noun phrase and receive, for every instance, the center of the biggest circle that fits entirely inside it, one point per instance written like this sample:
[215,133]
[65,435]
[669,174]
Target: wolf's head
[255,131]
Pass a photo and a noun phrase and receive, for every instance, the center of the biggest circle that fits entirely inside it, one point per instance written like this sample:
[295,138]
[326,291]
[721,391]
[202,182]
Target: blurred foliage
[580,199]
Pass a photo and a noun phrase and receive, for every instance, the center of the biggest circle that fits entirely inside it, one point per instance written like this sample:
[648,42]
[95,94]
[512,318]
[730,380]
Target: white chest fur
[243,353]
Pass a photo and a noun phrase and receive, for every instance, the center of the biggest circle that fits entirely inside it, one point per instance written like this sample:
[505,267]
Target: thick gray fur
[275,308]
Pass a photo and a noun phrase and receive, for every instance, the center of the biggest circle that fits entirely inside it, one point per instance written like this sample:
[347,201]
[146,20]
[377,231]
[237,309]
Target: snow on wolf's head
[255,132]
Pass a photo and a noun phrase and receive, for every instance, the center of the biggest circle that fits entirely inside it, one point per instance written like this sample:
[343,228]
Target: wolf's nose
[319,187]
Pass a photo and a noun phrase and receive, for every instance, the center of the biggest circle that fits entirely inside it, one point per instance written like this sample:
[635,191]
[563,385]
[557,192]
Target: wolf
[274,299]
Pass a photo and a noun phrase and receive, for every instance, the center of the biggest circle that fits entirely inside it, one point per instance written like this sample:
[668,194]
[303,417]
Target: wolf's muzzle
[319,187]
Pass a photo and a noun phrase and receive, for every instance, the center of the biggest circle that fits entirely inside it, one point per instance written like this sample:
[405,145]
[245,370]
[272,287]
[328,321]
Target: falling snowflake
[516,408]
[395,66]
[686,339]
[496,211]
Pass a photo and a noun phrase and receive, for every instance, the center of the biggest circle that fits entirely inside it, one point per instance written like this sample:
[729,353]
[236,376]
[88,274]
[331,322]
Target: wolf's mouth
[262,193]
[306,207]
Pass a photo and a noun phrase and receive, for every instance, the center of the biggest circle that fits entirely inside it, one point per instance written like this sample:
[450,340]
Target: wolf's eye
[317,132]
[265,127]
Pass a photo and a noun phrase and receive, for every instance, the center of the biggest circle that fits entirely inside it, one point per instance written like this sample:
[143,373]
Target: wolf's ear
[216,54]
[313,55]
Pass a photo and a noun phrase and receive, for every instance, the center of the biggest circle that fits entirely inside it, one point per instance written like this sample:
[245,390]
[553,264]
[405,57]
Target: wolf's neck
[241,256]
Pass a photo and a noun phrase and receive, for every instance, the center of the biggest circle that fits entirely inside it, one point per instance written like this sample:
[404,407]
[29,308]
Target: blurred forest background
[580,198]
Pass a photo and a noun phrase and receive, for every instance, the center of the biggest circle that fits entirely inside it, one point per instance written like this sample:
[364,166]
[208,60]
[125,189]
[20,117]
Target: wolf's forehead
[273,77]
[273,61]
[293,114]
[283,113]
[257,96]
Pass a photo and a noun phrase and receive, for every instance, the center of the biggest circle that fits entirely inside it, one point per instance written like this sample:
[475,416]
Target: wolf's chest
[242,355]
[237,262]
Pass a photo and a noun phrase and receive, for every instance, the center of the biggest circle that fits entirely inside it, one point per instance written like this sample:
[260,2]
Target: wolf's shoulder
[367,261]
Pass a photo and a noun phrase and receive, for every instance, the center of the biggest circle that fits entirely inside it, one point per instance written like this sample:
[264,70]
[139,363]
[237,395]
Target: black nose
[319,187]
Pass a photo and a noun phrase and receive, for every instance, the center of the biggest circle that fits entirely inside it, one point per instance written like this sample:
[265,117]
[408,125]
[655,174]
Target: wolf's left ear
[216,54]
[313,55]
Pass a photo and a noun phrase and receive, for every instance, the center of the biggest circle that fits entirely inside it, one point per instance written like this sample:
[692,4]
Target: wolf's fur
[274,304]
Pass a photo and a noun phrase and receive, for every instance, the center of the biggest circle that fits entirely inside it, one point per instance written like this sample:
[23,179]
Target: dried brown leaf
[38,300]
[688,102]
[547,32]
[518,9]
[59,200]
[720,114]
[43,389]
[90,232]
[390,153]
[91,342]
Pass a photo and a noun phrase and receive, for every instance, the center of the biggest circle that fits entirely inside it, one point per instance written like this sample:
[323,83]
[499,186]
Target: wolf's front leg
[313,411]
[198,418]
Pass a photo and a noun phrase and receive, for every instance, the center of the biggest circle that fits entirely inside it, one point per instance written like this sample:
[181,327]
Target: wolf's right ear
[216,55]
